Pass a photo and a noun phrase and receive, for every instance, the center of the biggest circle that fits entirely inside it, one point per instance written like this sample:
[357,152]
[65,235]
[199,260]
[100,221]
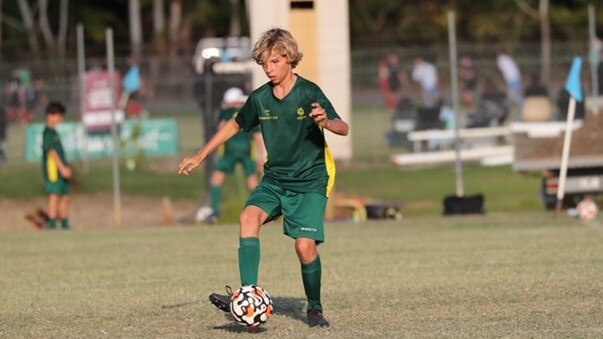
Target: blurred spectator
[535,87]
[510,72]
[18,87]
[95,65]
[600,72]
[383,78]
[3,128]
[36,98]
[537,105]
[468,77]
[426,75]
[397,79]
[492,107]
[14,92]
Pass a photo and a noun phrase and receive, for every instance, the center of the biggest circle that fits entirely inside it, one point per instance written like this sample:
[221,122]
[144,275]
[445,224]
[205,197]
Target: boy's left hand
[319,115]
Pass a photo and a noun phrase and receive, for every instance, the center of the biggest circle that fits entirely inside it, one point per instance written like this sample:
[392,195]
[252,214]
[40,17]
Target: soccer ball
[587,209]
[251,306]
[203,213]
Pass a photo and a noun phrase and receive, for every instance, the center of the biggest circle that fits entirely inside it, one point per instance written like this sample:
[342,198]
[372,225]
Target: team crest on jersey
[301,113]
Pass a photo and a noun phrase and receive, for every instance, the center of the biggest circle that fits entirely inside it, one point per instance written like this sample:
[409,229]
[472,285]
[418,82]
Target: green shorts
[59,187]
[228,162]
[303,213]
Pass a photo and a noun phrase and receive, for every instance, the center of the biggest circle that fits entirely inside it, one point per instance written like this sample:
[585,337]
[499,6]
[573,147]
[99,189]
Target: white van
[232,53]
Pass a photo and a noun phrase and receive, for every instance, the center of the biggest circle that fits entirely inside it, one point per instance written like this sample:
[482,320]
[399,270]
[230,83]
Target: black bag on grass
[464,205]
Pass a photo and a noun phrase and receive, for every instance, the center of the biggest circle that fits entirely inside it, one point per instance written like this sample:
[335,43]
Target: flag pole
[574,87]
[567,142]
[115,137]
[460,186]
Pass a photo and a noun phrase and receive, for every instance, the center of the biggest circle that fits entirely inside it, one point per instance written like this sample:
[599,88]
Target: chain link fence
[170,83]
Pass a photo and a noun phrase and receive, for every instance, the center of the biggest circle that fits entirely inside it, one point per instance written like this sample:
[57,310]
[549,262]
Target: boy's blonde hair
[276,40]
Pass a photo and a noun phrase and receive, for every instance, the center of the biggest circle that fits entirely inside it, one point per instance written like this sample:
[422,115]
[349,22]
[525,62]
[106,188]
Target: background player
[239,149]
[55,168]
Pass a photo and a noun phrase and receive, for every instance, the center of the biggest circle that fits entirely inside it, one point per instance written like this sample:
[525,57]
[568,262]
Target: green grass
[420,191]
[500,275]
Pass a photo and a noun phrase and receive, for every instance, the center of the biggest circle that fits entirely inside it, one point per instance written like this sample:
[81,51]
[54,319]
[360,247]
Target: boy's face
[54,119]
[276,67]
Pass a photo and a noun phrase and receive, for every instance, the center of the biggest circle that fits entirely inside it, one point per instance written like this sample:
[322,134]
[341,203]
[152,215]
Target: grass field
[514,272]
[526,275]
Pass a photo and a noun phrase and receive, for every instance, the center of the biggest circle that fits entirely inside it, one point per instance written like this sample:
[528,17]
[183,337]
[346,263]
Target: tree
[135,27]
[28,23]
[63,23]
[542,14]
[235,21]
[175,24]
[158,25]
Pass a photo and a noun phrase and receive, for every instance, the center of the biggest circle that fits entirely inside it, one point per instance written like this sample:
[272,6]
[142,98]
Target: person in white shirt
[510,72]
[426,75]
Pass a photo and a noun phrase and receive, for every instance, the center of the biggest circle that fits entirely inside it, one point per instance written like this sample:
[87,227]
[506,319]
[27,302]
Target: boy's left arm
[338,126]
[321,118]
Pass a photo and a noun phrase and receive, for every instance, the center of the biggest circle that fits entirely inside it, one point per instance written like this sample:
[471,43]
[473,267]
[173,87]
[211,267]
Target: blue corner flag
[573,85]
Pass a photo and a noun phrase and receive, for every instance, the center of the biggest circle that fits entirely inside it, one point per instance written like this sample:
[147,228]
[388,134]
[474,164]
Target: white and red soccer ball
[251,306]
[203,213]
[587,209]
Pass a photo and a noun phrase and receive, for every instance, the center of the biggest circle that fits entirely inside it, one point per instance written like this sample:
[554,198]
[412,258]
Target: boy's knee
[251,219]
[306,250]
[247,217]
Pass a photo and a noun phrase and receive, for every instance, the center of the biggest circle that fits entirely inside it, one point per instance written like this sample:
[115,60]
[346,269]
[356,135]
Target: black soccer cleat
[222,302]
[316,318]
[212,218]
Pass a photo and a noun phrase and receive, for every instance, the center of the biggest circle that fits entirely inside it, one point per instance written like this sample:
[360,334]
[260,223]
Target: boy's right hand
[66,172]
[188,165]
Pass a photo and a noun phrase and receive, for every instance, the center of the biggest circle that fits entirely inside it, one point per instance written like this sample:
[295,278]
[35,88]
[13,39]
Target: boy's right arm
[225,133]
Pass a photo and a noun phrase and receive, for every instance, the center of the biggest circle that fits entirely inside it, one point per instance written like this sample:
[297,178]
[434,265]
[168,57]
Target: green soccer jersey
[298,157]
[241,143]
[51,141]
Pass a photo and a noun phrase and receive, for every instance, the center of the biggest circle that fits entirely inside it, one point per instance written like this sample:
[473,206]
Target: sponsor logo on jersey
[268,115]
[301,114]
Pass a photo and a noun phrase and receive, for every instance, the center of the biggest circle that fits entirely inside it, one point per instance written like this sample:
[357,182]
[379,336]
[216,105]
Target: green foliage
[425,22]
[402,22]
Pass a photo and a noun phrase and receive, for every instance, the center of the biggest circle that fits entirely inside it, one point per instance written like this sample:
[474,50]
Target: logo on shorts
[308,229]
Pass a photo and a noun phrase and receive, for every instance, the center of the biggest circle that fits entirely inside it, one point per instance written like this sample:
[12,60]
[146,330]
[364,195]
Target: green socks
[249,260]
[311,275]
[216,199]
[52,224]
[249,267]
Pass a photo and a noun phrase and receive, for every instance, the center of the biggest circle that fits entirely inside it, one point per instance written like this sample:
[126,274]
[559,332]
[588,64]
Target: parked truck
[538,147]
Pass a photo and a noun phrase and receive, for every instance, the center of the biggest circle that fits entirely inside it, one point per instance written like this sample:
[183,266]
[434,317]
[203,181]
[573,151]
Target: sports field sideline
[499,275]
